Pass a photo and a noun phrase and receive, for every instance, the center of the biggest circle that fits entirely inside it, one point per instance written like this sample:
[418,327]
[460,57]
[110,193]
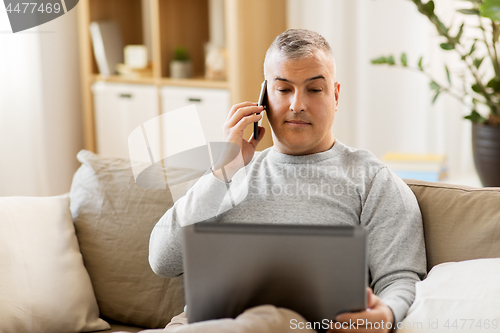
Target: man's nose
[297,103]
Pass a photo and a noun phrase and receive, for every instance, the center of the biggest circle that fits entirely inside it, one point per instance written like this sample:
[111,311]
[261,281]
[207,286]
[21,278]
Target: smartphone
[262,101]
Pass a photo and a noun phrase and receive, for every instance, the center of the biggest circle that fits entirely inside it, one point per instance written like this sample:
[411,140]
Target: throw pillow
[44,286]
[113,219]
[457,297]
[460,223]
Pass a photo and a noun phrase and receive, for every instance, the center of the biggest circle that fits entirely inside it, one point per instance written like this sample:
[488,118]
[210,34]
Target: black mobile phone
[262,101]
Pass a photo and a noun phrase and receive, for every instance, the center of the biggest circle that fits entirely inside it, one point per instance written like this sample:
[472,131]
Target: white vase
[180,69]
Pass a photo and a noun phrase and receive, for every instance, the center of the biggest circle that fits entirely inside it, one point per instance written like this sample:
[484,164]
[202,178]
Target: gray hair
[298,44]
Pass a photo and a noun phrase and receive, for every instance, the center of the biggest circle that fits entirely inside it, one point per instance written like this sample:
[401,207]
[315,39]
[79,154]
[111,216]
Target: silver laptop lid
[317,271]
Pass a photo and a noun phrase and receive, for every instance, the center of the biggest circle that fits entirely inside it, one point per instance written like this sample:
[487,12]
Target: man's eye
[315,90]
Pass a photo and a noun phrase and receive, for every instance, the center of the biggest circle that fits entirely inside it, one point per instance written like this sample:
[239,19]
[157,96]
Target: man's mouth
[297,123]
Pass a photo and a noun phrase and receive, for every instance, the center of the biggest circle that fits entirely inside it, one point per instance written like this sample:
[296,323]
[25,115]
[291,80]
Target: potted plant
[480,81]
[180,65]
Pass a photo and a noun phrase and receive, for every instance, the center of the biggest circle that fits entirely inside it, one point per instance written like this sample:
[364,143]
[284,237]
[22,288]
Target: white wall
[40,107]
[380,108]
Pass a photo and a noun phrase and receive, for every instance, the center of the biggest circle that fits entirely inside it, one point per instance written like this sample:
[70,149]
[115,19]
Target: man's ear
[337,93]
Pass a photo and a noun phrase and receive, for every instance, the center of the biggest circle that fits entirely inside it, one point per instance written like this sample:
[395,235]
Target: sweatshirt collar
[278,157]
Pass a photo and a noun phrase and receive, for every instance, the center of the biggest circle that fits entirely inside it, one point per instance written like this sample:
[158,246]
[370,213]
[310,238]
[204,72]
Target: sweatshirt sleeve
[207,199]
[395,241]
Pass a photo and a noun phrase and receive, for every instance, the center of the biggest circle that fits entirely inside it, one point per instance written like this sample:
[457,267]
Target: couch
[107,223]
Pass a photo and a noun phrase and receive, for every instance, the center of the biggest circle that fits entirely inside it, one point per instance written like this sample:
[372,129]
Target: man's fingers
[366,319]
[254,142]
[371,298]
[371,316]
[242,113]
[372,320]
[235,108]
[365,324]
[372,301]
[244,122]
[358,329]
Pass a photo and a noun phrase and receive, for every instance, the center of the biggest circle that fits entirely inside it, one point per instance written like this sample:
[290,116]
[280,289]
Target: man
[307,177]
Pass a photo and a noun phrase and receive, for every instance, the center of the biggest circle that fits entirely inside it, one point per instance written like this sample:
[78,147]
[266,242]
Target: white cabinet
[212,106]
[119,109]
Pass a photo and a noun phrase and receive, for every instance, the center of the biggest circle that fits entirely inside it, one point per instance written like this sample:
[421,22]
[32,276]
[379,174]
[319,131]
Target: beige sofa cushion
[44,286]
[460,223]
[113,218]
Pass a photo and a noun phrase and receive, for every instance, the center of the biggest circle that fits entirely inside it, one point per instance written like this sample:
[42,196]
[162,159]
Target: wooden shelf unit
[250,27]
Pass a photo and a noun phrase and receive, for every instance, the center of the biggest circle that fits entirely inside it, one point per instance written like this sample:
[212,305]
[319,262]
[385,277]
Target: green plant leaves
[491,9]
[436,96]
[429,7]
[468,11]
[447,46]
[460,32]
[475,101]
[488,94]
[494,84]
[379,60]
[474,1]
[475,87]
[434,85]
[181,54]
[391,61]
[477,62]
[472,48]
[475,117]
[384,60]
[404,60]
[447,73]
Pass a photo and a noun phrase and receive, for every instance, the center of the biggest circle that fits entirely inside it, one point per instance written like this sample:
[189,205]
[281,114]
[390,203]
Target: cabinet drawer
[118,109]
[212,106]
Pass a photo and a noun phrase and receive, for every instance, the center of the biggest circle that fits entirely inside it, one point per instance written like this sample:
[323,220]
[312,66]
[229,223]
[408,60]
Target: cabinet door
[212,106]
[119,109]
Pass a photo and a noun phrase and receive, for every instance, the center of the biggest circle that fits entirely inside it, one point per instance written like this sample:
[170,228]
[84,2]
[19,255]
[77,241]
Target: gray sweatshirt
[340,186]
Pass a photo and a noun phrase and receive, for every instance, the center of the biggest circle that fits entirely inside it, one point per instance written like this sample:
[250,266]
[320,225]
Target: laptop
[317,271]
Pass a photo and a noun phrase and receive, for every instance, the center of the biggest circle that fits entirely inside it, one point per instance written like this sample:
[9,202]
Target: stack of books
[427,167]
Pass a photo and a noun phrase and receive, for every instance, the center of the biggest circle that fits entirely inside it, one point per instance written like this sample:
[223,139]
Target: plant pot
[486,150]
[180,69]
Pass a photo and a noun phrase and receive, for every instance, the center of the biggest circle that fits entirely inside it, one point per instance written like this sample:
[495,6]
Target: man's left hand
[377,315]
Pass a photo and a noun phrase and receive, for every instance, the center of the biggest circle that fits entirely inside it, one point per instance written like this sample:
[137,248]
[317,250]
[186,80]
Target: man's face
[302,100]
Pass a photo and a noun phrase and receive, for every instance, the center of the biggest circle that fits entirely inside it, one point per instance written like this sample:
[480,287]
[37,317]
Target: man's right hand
[240,116]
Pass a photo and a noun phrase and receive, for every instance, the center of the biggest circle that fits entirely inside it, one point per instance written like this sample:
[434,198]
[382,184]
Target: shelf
[198,82]
[123,79]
